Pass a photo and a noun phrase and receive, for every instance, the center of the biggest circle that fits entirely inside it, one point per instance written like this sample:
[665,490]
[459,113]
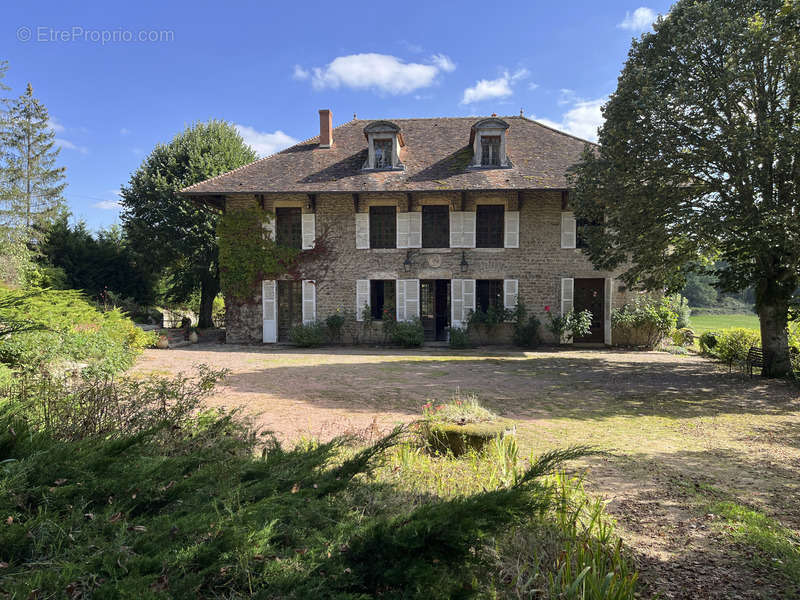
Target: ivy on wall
[246,257]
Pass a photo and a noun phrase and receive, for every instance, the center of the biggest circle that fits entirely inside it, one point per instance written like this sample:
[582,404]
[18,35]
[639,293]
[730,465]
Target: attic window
[383,154]
[488,140]
[490,150]
[384,142]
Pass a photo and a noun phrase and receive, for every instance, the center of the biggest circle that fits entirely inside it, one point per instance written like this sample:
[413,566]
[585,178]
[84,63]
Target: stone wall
[538,264]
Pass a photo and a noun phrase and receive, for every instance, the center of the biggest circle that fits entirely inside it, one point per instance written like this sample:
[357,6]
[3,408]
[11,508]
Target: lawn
[702,323]
[702,471]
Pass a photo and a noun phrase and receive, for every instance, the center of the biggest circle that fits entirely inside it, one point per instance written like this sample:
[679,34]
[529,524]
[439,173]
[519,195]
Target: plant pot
[458,438]
[162,342]
[193,337]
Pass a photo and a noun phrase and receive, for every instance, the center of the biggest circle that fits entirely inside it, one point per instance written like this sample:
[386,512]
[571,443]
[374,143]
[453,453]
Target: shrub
[487,320]
[569,325]
[708,341]
[408,334]
[680,306]
[683,337]
[334,323]
[458,338]
[644,322]
[733,344]
[526,327]
[308,335]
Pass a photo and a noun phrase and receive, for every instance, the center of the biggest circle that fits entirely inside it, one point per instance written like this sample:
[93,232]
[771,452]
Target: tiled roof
[435,156]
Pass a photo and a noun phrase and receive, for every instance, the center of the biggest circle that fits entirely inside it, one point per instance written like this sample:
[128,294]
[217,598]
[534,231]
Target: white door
[269,310]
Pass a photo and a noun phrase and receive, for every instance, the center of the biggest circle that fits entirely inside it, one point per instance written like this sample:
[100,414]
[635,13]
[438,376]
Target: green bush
[334,323]
[680,306]
[408,334]
[68,329]
[308,335]
[644,322]
[458,338]
[733,344]
[683,337]
[526,327]
[569,325]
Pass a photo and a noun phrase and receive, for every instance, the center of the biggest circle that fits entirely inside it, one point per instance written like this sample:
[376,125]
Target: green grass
[702,323]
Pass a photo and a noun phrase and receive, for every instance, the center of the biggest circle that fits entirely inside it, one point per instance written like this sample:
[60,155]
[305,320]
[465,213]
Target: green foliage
[526,327]
[733,344]
[487,320]
[569,325]
[173,234]
[683,337]
[335,323]
[408,334]
[308,335]
[67,328]
[458,338]
[708,341]
[247,256]
[680,306]
[646,321]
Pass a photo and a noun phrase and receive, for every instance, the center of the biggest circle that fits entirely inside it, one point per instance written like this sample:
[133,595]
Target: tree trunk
[209,288]
[773,316]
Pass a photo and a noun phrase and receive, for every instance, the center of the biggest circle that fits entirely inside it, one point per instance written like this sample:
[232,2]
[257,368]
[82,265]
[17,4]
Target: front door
[290,307]
[590,295]
[435,308]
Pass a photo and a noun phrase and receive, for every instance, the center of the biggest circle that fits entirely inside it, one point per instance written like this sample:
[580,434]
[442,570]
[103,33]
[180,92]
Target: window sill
[383,169]
[443,249]
[492,250]
[489,167]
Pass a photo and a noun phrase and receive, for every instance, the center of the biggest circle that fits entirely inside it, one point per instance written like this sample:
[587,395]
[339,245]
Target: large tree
[176,235]
[698,158]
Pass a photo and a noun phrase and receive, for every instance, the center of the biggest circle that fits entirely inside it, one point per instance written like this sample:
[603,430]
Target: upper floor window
[384,142]
[489,221]
[436,226]
[382,226]
[289,227]
[488,140]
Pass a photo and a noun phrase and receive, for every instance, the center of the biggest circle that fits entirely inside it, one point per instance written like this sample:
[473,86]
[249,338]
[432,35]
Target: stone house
[429,218]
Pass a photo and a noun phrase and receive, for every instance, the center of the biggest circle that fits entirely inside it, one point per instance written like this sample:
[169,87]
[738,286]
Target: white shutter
[362,297]
[568,228]
[309,230]
[414,230]
[402,230]
[456,303]
[468,237]
[401,299]
[362,231]
[412,299]
[607,308]
[456,229]
[309,301]
[468,291]
[269,227]
[511,229]
[510,293]
[567,288]
[269,311]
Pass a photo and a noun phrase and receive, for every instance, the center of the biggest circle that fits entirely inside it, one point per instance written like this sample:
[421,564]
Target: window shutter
[362,297]
[269,227]
[401,299]
[269,311]
[362,231]
[309,230]
[414,229]
[456,303]
[510,293]
[468,235]
[456,229]
[511,229]
[309,301]
[412,299]
[468,290]
[567,288]
[568,230]
[402,230]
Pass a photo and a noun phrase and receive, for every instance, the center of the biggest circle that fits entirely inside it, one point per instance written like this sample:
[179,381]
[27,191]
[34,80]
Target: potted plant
[162,342]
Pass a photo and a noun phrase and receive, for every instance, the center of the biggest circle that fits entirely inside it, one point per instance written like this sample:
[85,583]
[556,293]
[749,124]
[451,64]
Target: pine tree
[31,184]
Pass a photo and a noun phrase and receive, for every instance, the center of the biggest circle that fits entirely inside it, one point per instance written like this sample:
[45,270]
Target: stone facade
[538,264]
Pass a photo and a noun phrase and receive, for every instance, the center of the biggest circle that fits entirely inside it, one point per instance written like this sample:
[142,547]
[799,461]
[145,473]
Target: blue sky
[268,68]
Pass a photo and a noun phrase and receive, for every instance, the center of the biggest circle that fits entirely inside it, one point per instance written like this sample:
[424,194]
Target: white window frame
[309,301]
[511,229]
[308,225]
[363,297]
[510,293]
[568,230]
[462,229]
[362,231]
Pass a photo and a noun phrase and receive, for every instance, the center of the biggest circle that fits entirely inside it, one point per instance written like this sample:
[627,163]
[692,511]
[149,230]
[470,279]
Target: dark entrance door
[290,307]
[590,295]
[434,308]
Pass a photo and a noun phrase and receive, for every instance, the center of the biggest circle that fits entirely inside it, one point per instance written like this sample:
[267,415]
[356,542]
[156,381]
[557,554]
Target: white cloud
[107,205]
[265,143]
[124,131]
[380,72]
[532,86]
[300,74]
[53,124]
[62,143]
[491,89]
[640,20]
[582,120]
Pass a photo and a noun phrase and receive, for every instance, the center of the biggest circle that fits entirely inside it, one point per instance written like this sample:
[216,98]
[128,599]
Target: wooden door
[589,294]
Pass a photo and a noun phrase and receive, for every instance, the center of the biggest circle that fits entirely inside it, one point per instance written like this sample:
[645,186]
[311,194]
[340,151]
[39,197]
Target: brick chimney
[325,128]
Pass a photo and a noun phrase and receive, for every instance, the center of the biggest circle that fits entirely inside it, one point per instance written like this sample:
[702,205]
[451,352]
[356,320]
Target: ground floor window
[488,293]
[383,293]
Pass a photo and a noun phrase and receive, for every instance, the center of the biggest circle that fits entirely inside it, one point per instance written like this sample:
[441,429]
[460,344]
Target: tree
[698,157]
[176,235]
[31,184]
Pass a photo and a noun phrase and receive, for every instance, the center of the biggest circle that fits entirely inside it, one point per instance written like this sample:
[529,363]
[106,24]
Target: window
[382,227]
[382,294]
[488,293]
[489,226]
[289,227]
[490,150]
[435,226]
[383,154]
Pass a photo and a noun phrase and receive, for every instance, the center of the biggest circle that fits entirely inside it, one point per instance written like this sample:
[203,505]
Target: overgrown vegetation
[458,338]
[308,335]
[526,327]
[408,334]
[569,325]
[644,322]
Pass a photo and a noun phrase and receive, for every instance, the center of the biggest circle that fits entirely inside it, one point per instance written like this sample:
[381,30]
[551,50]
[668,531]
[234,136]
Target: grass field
[703,323]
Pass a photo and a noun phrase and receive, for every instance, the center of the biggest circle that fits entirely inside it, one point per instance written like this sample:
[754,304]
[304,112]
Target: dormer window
[488,141]
[384,143]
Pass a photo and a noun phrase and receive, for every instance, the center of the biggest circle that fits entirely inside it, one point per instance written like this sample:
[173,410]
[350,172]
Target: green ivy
[246,256]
